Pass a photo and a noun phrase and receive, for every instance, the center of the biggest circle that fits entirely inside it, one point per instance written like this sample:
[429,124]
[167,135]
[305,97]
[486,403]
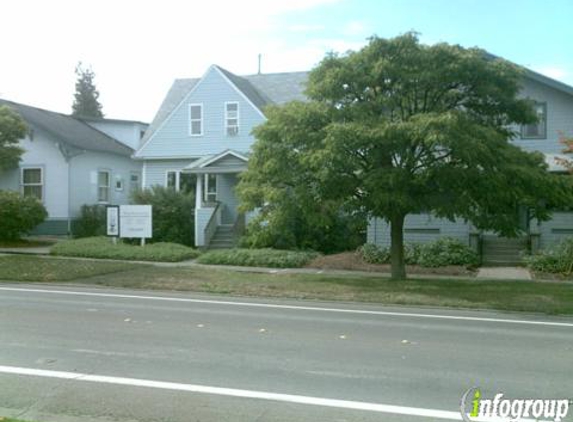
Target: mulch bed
[353,261]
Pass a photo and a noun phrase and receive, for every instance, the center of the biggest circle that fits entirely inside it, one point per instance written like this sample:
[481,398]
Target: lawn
[30,268]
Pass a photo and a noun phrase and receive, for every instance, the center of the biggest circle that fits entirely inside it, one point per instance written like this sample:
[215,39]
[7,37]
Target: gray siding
[155,170]
[126,132]
[559,228]
[52,227]
[419,228]
[559,117]
[83,173]
[228,161]
[172,139]
[202,217]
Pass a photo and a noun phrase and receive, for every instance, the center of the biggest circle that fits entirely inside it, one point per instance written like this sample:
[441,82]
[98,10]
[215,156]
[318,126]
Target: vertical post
[199,192]
[143,241]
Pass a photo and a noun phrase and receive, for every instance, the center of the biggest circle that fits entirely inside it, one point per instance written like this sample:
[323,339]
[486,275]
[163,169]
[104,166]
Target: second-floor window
[536,130]
[232,118]
[196,119]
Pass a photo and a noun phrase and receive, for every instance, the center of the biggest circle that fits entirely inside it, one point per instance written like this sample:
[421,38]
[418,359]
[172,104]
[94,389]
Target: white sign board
[135,221]
[112,220]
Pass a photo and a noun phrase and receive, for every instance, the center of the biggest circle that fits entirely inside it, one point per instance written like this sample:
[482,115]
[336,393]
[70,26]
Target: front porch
[218,223]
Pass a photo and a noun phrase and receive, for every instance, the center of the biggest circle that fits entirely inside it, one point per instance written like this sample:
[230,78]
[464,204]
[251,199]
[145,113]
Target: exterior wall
[128,133]
[83,173]
[559,117]
[172,139]
[419,228]
[555,230]
[202,217]
[155,170]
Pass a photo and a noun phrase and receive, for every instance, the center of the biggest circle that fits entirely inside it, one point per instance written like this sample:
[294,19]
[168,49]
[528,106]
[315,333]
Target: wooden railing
[211,226]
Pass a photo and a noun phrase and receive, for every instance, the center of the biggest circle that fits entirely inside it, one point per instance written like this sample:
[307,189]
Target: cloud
[555,72]
[354,28]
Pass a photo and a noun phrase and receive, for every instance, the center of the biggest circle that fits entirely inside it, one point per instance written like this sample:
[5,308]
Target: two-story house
[201,137]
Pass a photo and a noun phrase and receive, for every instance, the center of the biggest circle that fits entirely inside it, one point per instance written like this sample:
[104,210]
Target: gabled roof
[68,129]
[261,90]
[206,164]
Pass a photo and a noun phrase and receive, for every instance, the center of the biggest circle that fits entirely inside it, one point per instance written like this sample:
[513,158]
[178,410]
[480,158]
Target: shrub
[558,259]
[92,221]
[258,258]
[19,214]
[446,251]
[439,253]
[172,214]
[103,248]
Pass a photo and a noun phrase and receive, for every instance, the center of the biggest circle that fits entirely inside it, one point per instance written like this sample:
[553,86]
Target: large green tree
[399,127]
[12,129]
[86,98]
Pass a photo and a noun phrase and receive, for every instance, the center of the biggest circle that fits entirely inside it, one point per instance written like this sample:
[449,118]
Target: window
[103,180]
[210,192]
[232,118]
[33,182]
[133,182]
[172,179]
[536,130]
[196,119]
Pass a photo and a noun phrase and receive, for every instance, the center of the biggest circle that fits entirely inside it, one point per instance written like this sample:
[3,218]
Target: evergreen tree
[12,129]
[86,102]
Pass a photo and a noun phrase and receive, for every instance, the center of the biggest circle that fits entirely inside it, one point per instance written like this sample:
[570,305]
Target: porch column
[199,192]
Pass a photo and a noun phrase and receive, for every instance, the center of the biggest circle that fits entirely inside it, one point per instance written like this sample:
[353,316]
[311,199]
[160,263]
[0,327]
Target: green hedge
[19,214]
[439,253]
[557,260]
[103,248]
[258,258]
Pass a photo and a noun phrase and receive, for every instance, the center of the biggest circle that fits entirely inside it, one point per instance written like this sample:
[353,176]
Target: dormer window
[536,130]
[232,118]
[196,119]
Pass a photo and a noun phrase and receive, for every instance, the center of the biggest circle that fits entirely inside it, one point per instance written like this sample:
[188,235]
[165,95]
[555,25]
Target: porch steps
[224,237]
[501,251]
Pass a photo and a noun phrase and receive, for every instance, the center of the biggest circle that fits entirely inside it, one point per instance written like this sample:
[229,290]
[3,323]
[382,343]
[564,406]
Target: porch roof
[228,161]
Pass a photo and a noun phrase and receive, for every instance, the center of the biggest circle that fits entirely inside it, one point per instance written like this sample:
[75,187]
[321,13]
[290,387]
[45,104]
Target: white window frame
[200,105]
[41,184]
[543,135]
[206,192]
[133,187]
[108,187]
[176,179]
[227,126]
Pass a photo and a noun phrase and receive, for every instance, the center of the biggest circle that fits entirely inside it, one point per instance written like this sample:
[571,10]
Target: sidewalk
[505,273]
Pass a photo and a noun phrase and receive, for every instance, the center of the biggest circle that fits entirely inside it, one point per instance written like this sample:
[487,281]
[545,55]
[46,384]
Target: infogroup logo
[474,407]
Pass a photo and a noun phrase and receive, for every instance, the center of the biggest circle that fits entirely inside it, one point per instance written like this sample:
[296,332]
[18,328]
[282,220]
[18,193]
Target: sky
[137,48]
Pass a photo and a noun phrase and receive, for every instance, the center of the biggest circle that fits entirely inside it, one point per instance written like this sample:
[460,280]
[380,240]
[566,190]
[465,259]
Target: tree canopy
[12,129]
[399,127]
[86,103]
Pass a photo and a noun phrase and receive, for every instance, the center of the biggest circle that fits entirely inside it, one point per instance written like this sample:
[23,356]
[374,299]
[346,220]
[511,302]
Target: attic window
[196,119]
[536,130]
[232,118]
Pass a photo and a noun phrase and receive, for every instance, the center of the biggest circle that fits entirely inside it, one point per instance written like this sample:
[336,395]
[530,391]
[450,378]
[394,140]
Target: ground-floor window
[33,182]
[210,191]
[185,182]
[103,184]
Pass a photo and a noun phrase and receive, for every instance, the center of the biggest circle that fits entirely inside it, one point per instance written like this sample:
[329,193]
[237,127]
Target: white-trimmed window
[33,182]
[172,179]
[232,118]
[210,189]
[180,181]
[103,185]
[196,119]
[536,130]
[134,181]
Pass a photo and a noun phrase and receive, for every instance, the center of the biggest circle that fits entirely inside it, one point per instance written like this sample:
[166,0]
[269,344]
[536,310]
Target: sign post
[135,222]
[112,221]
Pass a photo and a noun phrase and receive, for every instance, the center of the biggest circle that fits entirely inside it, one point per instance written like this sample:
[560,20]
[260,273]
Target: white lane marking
[292,307]
[233,392]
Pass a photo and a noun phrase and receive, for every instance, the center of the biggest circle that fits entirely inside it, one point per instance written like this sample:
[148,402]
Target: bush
[19,214]
[258,258]
[439,253]
[557,260]
[103,248]
[172,214]
[92,221]
[446,251]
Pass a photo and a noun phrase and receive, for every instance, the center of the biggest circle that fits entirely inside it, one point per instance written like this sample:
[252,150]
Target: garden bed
[273,258]
[103,248]
[353,261]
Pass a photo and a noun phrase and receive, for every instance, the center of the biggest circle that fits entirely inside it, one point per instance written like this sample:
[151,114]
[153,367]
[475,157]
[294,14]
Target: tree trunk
[397,248]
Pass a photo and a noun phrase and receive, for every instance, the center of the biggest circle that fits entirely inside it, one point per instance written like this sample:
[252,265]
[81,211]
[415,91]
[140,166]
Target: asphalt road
[70,354]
